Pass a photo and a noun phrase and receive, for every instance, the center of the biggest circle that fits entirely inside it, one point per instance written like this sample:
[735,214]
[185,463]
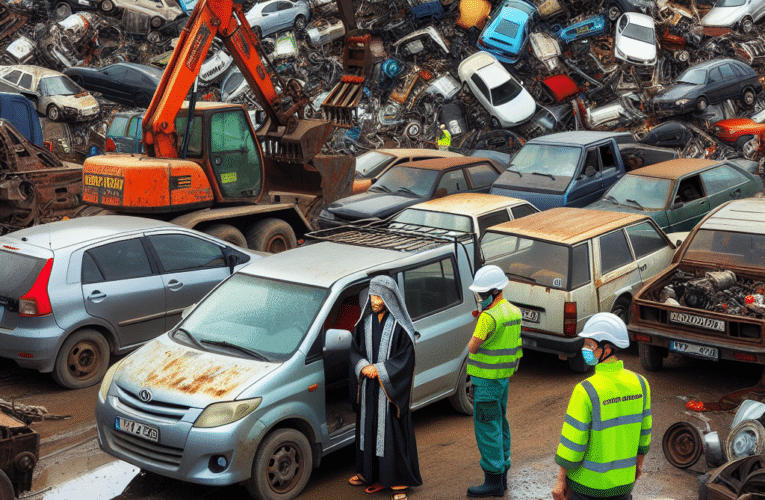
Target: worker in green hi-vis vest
[444,138]
[495,351]
[607,430]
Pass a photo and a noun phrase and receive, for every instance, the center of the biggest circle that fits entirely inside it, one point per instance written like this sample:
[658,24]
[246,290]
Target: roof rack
[410,238]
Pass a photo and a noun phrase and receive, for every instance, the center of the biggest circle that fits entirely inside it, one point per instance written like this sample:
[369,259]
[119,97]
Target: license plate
[141,430]
[698,350]
[529,315]
[700,321]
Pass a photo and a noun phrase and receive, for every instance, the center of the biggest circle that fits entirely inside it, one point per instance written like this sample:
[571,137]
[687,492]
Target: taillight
[36,301]
[569,318]
[109,146]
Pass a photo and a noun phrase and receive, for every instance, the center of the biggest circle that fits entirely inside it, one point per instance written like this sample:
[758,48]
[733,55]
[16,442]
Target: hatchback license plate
[529,315]
[698,350]
[141,430]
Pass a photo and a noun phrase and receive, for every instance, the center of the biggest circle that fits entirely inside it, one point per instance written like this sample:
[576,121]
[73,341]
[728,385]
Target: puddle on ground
[103,483]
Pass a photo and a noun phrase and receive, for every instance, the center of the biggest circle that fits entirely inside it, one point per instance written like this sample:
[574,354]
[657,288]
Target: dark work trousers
[492,432]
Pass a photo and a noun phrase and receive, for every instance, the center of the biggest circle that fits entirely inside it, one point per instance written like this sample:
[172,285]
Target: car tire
[282,466]
[741,141]
[154,36]
[156,22]
[106,6]
[53,112]
[621,308]
[227,233]
[651,357]
[577,364]
[701,103]
[494,123]
[462,400]
[62,10]
[748,97]
[750,150]
[746,25]
[258,32]
[141,100]
[271,235]
[6,487]
[300,22]
[614,12]
[82,360]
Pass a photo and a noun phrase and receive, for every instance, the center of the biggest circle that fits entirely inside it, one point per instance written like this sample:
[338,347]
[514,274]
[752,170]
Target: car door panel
[617,269]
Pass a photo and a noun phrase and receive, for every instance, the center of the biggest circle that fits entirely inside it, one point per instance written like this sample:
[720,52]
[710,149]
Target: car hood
[676,91]
[519,109]
[177,373]
[636,49]
[73,101]
[722,16]
[368,204]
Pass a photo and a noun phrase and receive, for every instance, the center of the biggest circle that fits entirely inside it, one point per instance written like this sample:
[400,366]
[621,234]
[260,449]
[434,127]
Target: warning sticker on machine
[228,178]
[109,188]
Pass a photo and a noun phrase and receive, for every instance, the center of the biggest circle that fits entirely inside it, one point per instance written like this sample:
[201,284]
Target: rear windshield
[508,28]
[523,259]
[727,248]
[18,273]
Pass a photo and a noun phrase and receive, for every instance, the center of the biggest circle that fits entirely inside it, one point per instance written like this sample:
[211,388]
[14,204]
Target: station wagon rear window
[18,273]
[727,248]
[539,262]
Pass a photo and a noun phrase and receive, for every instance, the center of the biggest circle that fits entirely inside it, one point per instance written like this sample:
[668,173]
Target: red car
[739,131]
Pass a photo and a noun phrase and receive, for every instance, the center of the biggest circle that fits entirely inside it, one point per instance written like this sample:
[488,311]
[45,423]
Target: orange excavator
[206,168]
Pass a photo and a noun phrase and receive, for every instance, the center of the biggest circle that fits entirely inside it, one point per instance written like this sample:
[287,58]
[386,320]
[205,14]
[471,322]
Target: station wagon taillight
[109,146]
[569,318]
[36,301]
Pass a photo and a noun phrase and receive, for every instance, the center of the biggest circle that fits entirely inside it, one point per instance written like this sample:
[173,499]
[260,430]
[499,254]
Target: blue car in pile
[508,33]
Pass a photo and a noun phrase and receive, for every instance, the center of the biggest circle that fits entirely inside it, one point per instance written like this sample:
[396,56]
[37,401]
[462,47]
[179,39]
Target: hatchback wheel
[141,100]
[748,97]
[82,360]
[282,466]
[701,104]
[300,23]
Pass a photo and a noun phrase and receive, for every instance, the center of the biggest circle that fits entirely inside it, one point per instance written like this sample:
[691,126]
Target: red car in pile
[740,132]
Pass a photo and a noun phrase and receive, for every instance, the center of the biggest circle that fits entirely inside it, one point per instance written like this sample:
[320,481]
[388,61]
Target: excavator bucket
[298,142]
[340,105]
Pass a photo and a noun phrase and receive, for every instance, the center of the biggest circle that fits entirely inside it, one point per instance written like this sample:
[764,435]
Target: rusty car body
[19,453]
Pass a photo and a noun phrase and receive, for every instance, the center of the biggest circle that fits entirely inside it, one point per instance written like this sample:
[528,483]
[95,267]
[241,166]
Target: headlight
[70,111]
[218,414]
[619,53]
[717,129]
[107,381]
[682,102]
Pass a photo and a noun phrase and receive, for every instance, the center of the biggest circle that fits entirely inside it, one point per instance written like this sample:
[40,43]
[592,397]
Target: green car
[677,194]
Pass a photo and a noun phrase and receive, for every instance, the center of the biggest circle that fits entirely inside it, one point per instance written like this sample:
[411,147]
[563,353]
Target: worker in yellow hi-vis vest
[444,138]
[495,351]
[607,430]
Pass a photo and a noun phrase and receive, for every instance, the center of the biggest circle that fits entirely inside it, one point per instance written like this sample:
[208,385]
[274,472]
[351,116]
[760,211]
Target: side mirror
[336,340]
[231,260]
[186,311]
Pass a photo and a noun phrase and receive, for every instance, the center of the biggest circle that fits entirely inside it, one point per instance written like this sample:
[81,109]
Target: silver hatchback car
[74,291]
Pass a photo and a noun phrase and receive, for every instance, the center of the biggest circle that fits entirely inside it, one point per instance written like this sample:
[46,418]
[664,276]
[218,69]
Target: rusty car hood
[176,373]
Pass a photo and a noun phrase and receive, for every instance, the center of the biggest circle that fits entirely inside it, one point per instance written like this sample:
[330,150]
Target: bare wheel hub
[83,359]
[284,468]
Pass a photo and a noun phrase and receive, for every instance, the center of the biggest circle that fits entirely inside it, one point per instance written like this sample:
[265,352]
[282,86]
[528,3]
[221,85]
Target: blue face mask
[589,357]
[486,302]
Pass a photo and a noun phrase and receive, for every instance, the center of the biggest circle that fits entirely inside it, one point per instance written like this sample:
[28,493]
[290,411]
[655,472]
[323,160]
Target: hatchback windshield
[266,316]
[405,180]
[637,32]
[726,248]
[524,259]
[646,193]
[371,164]
[58,85]
[505,92]
[693,76]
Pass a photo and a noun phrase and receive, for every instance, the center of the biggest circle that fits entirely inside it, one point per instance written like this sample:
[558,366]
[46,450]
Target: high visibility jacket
[499,354]
[607,425]
[444,139]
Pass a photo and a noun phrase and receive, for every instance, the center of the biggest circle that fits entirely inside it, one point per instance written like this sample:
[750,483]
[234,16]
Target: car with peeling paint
[76,291]
[257,372]
[566,264]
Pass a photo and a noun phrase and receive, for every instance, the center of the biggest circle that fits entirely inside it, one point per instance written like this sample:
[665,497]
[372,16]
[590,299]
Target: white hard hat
[608,327]
[489,278]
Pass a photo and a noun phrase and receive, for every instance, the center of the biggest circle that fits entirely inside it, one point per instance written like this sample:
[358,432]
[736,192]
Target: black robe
[398,465]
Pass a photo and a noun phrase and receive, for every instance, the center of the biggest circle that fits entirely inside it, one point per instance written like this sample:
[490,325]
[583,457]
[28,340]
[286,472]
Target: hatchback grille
[166,412]
[144,450]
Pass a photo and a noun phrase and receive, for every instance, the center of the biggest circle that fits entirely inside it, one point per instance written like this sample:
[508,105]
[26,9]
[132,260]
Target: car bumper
[551,342]
[183,452]
[670,108]
[34,345]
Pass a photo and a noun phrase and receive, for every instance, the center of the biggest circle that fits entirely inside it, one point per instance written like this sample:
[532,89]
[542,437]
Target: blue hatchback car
[507,34]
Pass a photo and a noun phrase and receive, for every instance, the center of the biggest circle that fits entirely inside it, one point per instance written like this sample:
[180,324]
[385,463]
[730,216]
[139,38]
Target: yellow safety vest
[498,356]
[444,139]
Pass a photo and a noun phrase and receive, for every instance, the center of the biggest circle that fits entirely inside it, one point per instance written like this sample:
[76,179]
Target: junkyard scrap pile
[600,65]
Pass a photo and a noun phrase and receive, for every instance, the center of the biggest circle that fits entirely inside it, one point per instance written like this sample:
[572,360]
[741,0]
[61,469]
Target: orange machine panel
[145,185]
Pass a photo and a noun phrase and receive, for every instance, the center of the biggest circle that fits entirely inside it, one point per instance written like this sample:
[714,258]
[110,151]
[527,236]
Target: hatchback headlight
[108,377]
[218,414]
[682,102]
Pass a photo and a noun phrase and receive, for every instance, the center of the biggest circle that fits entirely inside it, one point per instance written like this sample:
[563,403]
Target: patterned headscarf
[386,288]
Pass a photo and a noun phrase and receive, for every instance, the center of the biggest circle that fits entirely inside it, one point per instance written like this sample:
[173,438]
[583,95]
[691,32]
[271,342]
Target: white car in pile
[503,95]
[635,39]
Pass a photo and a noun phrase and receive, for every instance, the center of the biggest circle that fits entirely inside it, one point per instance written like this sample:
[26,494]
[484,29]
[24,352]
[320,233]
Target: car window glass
[580,269]
[523,211]
[12,77]
[689,190]
[135,127]
[645,239]
[26,81]
[714,75]
[480,85]
[269,8]
[452,182]
[117,126]
[591,163]
[121,260]
[727,72]
[492,219]
[430,288]
[234,154]
[622,23]
[90,271]
[607,157]
[284,5]
[179,252]
[482,175]
[119,73]
[614,251]
[721,179]
[736,69]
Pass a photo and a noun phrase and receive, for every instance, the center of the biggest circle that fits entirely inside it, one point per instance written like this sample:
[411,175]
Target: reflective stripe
[645,432]
[499,352]
[609,466]
[576,424]
[597,423]
[646,411]
[594,399]
[572,445]
[490,366]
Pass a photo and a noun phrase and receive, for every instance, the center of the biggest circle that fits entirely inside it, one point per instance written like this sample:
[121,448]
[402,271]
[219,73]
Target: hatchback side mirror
[231,260]
[336,340]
